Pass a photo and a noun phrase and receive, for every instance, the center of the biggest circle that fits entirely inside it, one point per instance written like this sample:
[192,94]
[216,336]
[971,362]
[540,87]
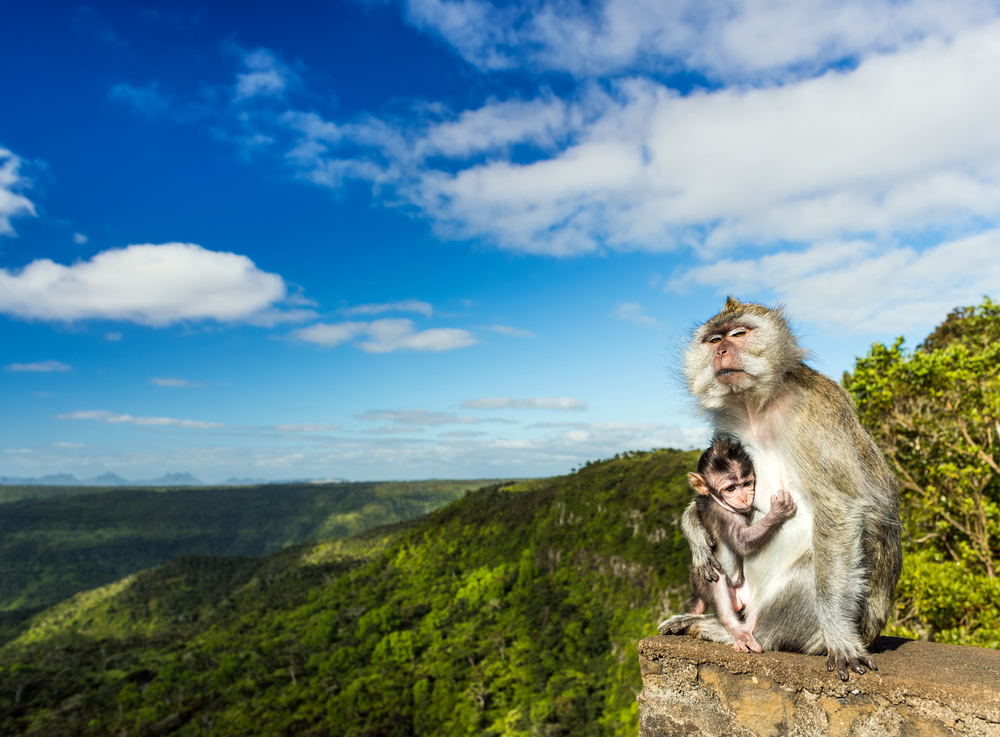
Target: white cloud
[416,417]
[385,336]
[265,75]
[40,366]
[462,434]
[391,429]
[148,284]
[12,203]
[113,337]
[174,382]
[903,143]
[306,427]
[725,39]
[561,404]
[860,285]
[114,418]
[409,305]
[19,451]
[80,239]
[330,335]
[512,332]
[69,445]
[633,312]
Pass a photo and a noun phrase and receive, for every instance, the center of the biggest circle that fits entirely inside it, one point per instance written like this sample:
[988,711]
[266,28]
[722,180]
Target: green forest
[57,541]
[513,610]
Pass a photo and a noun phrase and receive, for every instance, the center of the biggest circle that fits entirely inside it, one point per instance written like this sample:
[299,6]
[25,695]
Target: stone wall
[692,687]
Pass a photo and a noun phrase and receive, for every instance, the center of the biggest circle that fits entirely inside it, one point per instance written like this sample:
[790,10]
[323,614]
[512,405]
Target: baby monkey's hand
[782,505]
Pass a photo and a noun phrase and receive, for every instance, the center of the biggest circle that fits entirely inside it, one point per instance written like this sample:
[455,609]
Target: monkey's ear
[697,482]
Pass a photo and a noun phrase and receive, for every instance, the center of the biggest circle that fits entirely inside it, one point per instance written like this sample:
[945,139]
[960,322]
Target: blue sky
[439,238]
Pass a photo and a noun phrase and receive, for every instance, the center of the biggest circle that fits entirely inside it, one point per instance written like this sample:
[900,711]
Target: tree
[935,413]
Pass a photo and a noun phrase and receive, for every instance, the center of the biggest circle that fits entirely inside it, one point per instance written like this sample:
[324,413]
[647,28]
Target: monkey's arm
[748,539]
[703,561]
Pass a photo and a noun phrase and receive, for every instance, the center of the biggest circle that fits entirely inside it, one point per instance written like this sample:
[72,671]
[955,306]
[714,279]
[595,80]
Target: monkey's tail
[705,626]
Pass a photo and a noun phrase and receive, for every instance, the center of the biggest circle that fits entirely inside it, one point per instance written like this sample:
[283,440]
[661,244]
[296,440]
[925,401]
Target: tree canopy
[935,413]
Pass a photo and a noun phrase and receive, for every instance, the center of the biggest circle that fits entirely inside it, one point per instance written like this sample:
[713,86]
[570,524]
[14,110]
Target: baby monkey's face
[734,488]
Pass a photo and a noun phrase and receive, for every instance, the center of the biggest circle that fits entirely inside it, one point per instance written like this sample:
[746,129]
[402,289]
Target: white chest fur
[794,537]
[773,471]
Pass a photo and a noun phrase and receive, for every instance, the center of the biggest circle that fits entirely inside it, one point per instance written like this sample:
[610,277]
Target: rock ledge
[692,687]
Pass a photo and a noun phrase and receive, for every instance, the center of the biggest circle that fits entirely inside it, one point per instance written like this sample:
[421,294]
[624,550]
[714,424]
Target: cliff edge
[691,687]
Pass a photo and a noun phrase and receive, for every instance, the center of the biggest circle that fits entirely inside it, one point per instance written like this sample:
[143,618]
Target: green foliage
[514,610]
[935,413]
[54,547]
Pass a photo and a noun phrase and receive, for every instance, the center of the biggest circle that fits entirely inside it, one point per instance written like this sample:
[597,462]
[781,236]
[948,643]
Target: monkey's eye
[738,332]
[729,489]
[714,339]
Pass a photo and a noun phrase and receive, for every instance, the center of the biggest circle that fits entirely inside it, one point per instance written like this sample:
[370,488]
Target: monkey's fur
[825,582]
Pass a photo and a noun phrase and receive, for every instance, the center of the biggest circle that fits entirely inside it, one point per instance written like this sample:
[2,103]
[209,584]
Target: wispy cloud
[148,284]
[40,366]
[860,285]
[114,418]
[408,305]
[633,312]
[385,336]
[512,332]
[392,429]
[113,337]
[147,100]
[175,382]
[306,427]
[12,203]
[728,39]
[264,75]
[80,239]
[416,417]
[561,404]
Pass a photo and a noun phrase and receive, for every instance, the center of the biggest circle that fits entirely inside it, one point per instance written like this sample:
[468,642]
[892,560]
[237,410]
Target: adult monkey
[825,582]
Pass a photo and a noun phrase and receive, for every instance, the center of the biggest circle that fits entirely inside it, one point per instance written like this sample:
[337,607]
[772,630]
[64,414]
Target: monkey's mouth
[726,372]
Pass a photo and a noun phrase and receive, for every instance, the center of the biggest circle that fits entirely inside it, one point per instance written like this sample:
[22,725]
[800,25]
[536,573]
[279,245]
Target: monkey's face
[735,489]
[727,347]
[741,354]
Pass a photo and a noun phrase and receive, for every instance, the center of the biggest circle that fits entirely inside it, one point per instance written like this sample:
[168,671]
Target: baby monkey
[724,506]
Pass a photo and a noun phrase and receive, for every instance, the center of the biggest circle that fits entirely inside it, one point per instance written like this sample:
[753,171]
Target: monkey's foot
[745,643]
[860,664]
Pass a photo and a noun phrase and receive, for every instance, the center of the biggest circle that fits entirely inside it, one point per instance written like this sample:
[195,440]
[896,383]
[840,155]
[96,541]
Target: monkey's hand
[782,505]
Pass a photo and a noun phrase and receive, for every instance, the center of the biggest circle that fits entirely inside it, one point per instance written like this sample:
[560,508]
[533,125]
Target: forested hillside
[51,548]
[514,610]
